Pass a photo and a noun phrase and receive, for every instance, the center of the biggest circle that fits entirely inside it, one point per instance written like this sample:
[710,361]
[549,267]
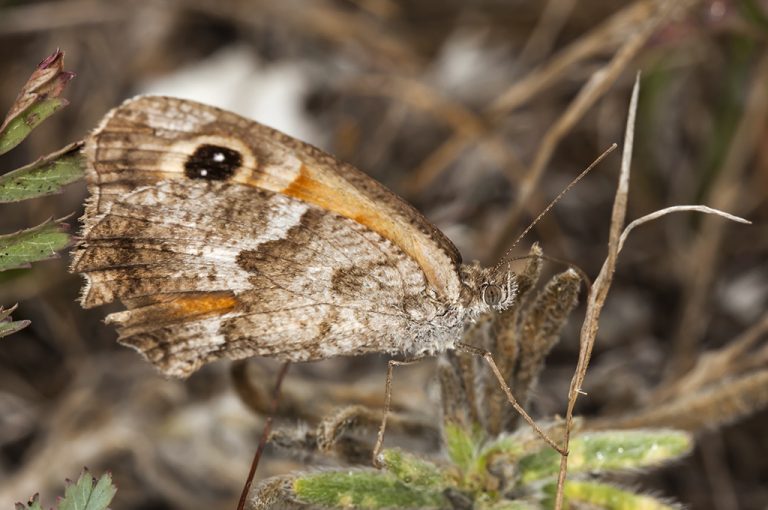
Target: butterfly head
[488,289]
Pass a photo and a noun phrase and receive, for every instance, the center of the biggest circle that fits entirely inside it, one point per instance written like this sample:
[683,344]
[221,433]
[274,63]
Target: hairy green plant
[504,472]
[86,493]
[39,99]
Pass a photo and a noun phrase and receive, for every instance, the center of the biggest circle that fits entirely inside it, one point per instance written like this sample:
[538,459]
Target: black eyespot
[491,294]
[212,162]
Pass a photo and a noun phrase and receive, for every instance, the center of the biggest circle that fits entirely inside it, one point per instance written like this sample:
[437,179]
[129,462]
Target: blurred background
[478,113]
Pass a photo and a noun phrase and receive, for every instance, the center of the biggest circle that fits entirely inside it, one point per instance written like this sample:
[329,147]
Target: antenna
[554,201]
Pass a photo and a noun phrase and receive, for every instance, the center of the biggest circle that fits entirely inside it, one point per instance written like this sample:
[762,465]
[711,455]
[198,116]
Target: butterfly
[224,238]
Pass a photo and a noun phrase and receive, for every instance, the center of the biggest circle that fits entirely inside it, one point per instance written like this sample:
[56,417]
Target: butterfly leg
[391,364]
[488,357]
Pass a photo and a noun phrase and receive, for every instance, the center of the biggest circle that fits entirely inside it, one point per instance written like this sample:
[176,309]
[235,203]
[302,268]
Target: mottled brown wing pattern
[212,268]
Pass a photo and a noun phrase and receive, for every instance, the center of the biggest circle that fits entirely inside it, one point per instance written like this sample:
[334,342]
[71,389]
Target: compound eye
[491,294]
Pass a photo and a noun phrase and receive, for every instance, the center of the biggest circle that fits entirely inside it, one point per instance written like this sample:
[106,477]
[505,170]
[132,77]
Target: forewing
[163,133]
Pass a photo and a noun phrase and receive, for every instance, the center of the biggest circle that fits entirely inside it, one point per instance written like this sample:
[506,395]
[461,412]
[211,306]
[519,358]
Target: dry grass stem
[713,407]
[677,208]
[466,124]
[599,290]
[542,38]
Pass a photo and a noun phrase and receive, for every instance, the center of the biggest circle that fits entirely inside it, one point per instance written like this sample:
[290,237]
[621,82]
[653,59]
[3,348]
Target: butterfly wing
[225,238]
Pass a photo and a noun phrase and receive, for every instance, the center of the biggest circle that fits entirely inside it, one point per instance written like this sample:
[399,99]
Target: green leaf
[17,129]
[88,494]
[507,446]
[412,470]
[364,490]
[45,176]
[603,495]
[37,243]
[462,445]
[32,504]
[609,451]
[37,100]
[507,505]
[7,326]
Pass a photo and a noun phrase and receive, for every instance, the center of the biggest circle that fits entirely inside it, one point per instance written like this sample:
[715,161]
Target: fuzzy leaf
[414,471]
[37,243]
[88,494]
[603,495]
[508,446]
[43,177]
[507,505]
[363,490]
[8,326]
[38,100]
[609,451]
[461,445]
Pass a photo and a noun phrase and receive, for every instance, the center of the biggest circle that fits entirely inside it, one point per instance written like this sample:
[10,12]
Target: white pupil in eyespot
[218,157]
[203,172]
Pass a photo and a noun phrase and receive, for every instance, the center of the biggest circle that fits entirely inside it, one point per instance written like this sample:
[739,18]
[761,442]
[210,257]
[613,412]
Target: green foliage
[43,177]
[486,472]
[18,127]
[410,469]
[600,452]
[460,445]
[8,326]
[364,489]
[85,494]
[37,100]
[37,243]
[602,495]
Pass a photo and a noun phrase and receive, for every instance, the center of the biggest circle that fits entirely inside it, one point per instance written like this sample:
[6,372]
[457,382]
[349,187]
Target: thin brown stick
[488,357]
[544,34]
[264,435]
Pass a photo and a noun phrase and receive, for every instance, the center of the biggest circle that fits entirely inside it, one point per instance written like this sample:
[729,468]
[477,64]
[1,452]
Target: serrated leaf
[609,451]
[43,177]
[32,504]
[38,100]
[19,127]
[7,326]
[363,490]
[88,494]
[414,471]
[37,243]
[602,495]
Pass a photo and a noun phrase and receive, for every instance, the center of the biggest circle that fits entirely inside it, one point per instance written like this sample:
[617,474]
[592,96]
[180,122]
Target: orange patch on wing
[341,198]
[201,304]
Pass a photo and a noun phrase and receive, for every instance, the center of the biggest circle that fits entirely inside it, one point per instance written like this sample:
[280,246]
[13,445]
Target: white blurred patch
[235,79]
[469,66]
[746,296]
